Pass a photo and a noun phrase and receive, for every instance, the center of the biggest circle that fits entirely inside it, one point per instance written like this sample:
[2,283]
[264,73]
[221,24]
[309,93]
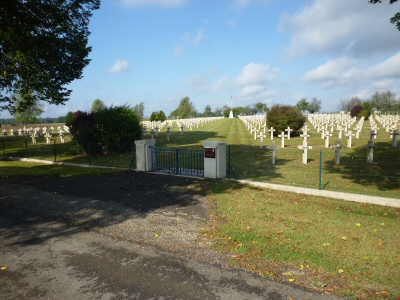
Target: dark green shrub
[83,131]
[282,116]
[112,129]
[117,128]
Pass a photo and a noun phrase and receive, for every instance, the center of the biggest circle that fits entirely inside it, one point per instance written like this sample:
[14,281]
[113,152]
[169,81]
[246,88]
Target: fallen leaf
[340,271]
[157,235]
[291,279]
[344,238]
[4,268]
[358,224]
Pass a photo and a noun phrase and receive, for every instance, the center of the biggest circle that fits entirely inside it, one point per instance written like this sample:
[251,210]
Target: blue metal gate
[178,161]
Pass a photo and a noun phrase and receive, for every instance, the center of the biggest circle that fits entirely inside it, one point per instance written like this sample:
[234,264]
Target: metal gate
[178,161]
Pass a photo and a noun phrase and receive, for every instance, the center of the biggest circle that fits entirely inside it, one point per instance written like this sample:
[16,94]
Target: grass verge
[343,248]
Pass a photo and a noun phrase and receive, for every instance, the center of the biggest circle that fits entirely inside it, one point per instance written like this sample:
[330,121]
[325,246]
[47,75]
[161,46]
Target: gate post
[214,159]
[144,155]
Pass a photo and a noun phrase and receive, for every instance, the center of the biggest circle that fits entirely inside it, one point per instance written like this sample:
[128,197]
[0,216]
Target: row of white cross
[339,119]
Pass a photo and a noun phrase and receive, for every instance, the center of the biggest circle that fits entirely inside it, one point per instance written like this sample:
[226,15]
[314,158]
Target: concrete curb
[391,202]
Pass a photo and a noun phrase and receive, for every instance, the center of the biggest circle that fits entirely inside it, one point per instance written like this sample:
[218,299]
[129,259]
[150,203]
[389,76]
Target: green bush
[112,129]
[118,127]
[83,132]
[282,116]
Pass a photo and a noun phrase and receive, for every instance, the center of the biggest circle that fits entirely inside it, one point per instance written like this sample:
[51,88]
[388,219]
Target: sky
[269,51]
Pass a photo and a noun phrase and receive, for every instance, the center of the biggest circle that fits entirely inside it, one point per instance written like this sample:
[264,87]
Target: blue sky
[270,51]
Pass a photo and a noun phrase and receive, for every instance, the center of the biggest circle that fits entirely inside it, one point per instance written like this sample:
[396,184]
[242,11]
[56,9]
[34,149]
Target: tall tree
[396,18]
[186,109]
[98,105]
[260,108]
[30,114]
[208,111]
[347,105]
[139,110]
[385,101]
[43,48]
[314,106]
[302,105]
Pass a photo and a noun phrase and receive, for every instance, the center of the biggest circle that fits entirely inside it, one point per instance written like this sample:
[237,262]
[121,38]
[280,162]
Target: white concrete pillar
[214,159]
[144,157]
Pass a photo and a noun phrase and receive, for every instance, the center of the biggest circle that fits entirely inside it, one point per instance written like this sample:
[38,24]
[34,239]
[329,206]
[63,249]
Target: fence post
[55,150]
[4,153]
[320,169]
[176,161]
[90,156]
[26,147]
[229,161]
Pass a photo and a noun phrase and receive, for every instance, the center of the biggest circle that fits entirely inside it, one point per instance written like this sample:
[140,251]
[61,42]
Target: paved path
[47,259]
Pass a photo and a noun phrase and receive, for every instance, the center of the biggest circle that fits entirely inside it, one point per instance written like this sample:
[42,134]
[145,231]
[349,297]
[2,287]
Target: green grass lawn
[348,249]
[249,161]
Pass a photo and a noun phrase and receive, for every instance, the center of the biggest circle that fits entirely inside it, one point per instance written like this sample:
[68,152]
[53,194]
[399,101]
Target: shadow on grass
[383,174]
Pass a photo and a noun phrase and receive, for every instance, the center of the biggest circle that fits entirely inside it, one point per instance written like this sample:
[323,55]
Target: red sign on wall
[209,152]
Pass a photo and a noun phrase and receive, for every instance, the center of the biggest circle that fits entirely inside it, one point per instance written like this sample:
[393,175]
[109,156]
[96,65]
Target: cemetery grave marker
[326,136]
[282,136]
[349,136]
[337,148]
[273,147]
[305,149]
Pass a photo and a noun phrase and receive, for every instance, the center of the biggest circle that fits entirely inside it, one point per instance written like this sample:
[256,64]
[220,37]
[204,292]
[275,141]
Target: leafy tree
[302,105]
[186,109]
[348,105]
[396,18]
[158,116]
[98,105]
[366,111]
[43,49]
[385,101]
[29,114]
[260,108]
[208,112]
[218,112]
[84,132]
[68,119]
[282,116]
[139,110]
[314,106]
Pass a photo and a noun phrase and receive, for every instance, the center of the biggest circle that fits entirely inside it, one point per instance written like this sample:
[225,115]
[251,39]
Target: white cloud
[388,68]
[120,66]
[179,51]
[165,3]
[332,26]
[194,41]
[221,84]
[253,82]
[255,74]
[199,82]
[334,72]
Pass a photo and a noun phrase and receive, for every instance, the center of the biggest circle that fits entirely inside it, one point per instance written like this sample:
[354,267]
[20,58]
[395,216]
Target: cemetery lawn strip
[345,248]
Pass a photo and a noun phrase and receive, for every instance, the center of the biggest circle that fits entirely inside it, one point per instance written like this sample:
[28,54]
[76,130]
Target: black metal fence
[178,161]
